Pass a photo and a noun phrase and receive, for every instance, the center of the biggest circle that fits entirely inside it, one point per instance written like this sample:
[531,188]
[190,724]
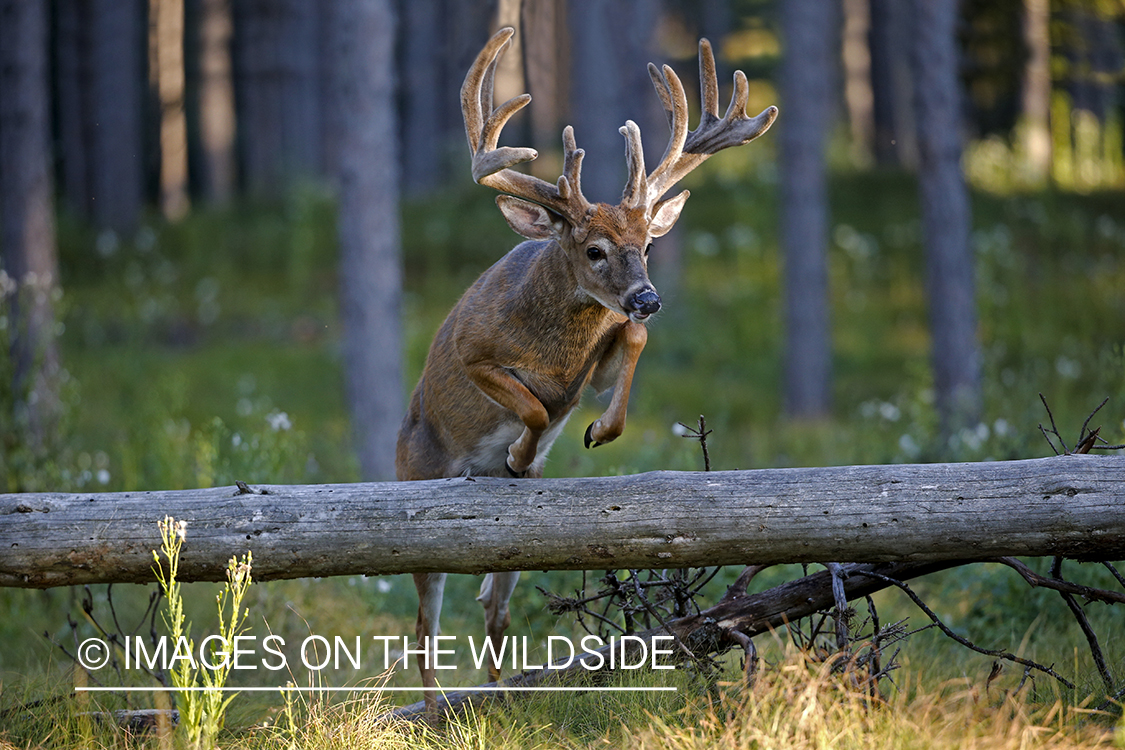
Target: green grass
[208,352]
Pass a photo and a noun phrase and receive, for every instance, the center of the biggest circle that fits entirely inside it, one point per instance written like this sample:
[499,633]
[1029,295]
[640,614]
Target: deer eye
[593,252]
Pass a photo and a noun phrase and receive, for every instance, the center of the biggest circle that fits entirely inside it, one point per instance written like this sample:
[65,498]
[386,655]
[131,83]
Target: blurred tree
[992,55]
[28,265]
[945,215]
[892,107]
[423,136]
[1092,58]
[1086,113]
[72,42]
[166,53]
[115,166]
[211,98]
[715,22]
[1034,131]
[856,54]
[361,55]
[807,80]
[278,92]
[438,42]
[541,23]
[611,44]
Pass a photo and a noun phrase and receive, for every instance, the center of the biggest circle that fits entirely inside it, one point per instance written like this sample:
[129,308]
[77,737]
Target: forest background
[229,231]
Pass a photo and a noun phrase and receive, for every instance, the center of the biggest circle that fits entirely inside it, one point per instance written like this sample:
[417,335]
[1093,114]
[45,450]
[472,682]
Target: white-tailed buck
[564,310]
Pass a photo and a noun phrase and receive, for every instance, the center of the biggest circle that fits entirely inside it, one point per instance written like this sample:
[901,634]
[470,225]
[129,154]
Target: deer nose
[645,302]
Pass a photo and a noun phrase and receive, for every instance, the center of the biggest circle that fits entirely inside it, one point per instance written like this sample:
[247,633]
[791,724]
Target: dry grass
[794,705]
[800,706]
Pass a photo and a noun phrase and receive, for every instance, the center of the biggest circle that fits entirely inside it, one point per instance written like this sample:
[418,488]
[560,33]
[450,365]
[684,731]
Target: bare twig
[742,583]
[842,610]
[1116,573]
[999,653]
[1062,586]
[1087,629]
[750,654]
[1085,440]
[1054,430]
[656,616]
[700,434]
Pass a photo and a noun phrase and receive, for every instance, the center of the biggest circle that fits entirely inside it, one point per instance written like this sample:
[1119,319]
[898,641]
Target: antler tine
[674,100]
[687,150]
[476,91]
[636,187]
[571,180]
[708,81]
[663,92]
[491,163]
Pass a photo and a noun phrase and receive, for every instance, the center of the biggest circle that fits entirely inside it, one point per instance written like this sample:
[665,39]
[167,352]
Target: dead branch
[1084,625]
[711,630]
[1037,581]
[1086,442]
[999,653]
[699,433]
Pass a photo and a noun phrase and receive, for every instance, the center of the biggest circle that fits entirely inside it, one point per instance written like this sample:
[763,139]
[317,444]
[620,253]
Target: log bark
[1069,505]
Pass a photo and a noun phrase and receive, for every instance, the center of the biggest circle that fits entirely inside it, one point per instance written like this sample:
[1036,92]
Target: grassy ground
[208,352]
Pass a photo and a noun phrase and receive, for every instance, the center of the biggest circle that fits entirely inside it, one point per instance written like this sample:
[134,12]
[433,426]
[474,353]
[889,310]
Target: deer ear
[530,220]
[665,214]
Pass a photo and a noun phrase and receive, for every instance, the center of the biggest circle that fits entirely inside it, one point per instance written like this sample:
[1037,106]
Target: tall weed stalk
[202,700]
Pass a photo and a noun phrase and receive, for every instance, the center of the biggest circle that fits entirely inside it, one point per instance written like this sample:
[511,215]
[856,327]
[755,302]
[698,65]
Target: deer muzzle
[642,304]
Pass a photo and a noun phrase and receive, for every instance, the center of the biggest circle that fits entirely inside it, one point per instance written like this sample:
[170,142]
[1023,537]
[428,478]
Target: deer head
[606,246]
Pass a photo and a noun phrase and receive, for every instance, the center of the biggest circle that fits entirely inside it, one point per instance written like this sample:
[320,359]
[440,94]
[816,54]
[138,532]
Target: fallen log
[1067,505]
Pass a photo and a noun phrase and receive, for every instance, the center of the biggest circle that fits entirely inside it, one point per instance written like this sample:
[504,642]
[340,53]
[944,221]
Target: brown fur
[521,345]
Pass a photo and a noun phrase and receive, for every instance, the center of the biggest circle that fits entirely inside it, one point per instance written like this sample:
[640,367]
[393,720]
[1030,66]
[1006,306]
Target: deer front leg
[623,355]
[501,387]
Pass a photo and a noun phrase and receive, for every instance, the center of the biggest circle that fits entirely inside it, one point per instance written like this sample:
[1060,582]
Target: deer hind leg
[501,387]
[431,587]
[495,591]
[623,355]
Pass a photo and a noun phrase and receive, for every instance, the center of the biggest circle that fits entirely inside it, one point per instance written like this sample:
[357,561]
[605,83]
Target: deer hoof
[589,438]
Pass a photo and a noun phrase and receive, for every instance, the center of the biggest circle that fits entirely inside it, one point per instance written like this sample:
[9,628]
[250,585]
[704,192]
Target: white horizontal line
[295,689]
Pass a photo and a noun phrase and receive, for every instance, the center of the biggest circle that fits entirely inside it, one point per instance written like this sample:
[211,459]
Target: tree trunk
[213,103]
[302,156]
[167,21]
[1035,94]
[370,257]
[856,54]
[945,216]
[28,265]
[1071,505]
[278,92]
[72,54]
[807,80]
[541,27]
[891,85]
[424,142]
[116,167]
[610,48]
